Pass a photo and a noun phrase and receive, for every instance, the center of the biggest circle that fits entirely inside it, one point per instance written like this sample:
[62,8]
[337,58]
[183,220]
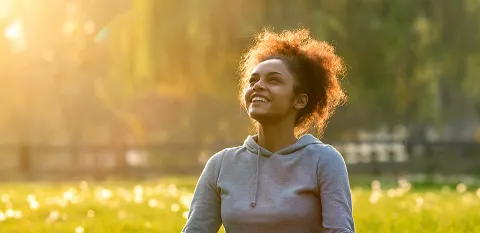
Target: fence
[377,158]
[99,162]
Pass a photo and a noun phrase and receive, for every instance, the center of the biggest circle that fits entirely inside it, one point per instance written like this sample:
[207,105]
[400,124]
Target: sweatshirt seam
[220,168]
[322,153]
[317,175]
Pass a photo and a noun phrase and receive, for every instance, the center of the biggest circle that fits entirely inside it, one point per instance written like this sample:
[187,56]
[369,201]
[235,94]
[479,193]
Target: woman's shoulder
[218,156]
[322,148]
[324,152]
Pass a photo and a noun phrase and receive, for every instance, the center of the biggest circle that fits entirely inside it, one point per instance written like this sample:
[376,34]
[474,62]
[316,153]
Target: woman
[281,179]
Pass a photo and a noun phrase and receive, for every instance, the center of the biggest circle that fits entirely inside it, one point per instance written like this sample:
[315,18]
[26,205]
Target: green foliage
[409,61]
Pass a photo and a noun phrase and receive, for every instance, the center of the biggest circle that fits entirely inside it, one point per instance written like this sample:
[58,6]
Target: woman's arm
[334,189]
[204,215]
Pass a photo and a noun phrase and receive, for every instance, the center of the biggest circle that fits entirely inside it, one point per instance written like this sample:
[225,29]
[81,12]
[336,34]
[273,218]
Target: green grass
[161,206]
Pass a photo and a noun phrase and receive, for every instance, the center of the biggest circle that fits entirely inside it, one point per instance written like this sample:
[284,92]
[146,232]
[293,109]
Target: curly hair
[313,63]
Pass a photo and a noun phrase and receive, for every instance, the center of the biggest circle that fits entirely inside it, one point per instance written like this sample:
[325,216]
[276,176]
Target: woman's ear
[301,101]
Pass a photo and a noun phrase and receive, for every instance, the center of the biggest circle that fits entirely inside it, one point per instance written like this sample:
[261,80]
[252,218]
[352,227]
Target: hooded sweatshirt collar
[252,145]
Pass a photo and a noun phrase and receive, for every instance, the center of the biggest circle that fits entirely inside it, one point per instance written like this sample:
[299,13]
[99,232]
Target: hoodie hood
[252,146]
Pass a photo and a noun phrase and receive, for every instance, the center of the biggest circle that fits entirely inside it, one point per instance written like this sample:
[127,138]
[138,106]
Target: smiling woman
[269,94]
[281,179]
[311,67]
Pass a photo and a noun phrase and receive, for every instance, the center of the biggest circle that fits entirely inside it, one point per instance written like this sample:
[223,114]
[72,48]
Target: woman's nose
[258,85]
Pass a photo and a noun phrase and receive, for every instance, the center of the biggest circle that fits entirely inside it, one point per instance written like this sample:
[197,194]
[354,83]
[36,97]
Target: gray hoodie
[302,188]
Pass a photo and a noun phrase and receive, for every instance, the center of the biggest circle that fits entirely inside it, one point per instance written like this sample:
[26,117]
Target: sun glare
[15,30]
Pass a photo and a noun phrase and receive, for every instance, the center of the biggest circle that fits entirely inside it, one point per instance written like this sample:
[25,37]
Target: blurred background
[141,88]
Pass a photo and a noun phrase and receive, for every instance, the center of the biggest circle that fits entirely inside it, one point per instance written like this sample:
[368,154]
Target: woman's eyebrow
[269,73]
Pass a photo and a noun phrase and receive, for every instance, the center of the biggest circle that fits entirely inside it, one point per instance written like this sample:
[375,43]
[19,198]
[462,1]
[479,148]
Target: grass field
[162,206]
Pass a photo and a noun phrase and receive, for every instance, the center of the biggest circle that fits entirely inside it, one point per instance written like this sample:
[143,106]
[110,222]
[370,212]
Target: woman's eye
[274,80]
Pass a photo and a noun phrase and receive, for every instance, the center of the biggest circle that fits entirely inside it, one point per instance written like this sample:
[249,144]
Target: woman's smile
[258,100]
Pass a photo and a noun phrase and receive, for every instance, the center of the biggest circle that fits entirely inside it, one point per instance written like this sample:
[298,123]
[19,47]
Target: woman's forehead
[271,65]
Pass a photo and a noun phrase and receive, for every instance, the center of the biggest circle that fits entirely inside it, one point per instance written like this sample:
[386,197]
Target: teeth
[259,99]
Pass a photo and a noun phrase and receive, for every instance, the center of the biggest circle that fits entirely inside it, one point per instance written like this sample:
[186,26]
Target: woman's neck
[275,137]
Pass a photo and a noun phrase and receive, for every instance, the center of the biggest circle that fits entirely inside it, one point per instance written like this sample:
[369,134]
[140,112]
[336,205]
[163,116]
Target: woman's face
[270,93]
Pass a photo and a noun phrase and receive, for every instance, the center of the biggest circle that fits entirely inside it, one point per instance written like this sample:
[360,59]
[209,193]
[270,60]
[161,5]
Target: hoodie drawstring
[254,201]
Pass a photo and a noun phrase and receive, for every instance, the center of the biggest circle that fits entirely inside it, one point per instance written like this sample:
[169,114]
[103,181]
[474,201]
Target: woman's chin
[258,114]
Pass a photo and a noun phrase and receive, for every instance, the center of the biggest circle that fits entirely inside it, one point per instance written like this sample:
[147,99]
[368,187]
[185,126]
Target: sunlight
[34,205]
[138,194]
[175,207]
[32,202]
[103,194]
[10,213]
[153,203]
[15,30]
[90,213]
[186,199]
[69,27]
[461,188]
[70,195]
[16,35]
[79,230]
[5,198]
